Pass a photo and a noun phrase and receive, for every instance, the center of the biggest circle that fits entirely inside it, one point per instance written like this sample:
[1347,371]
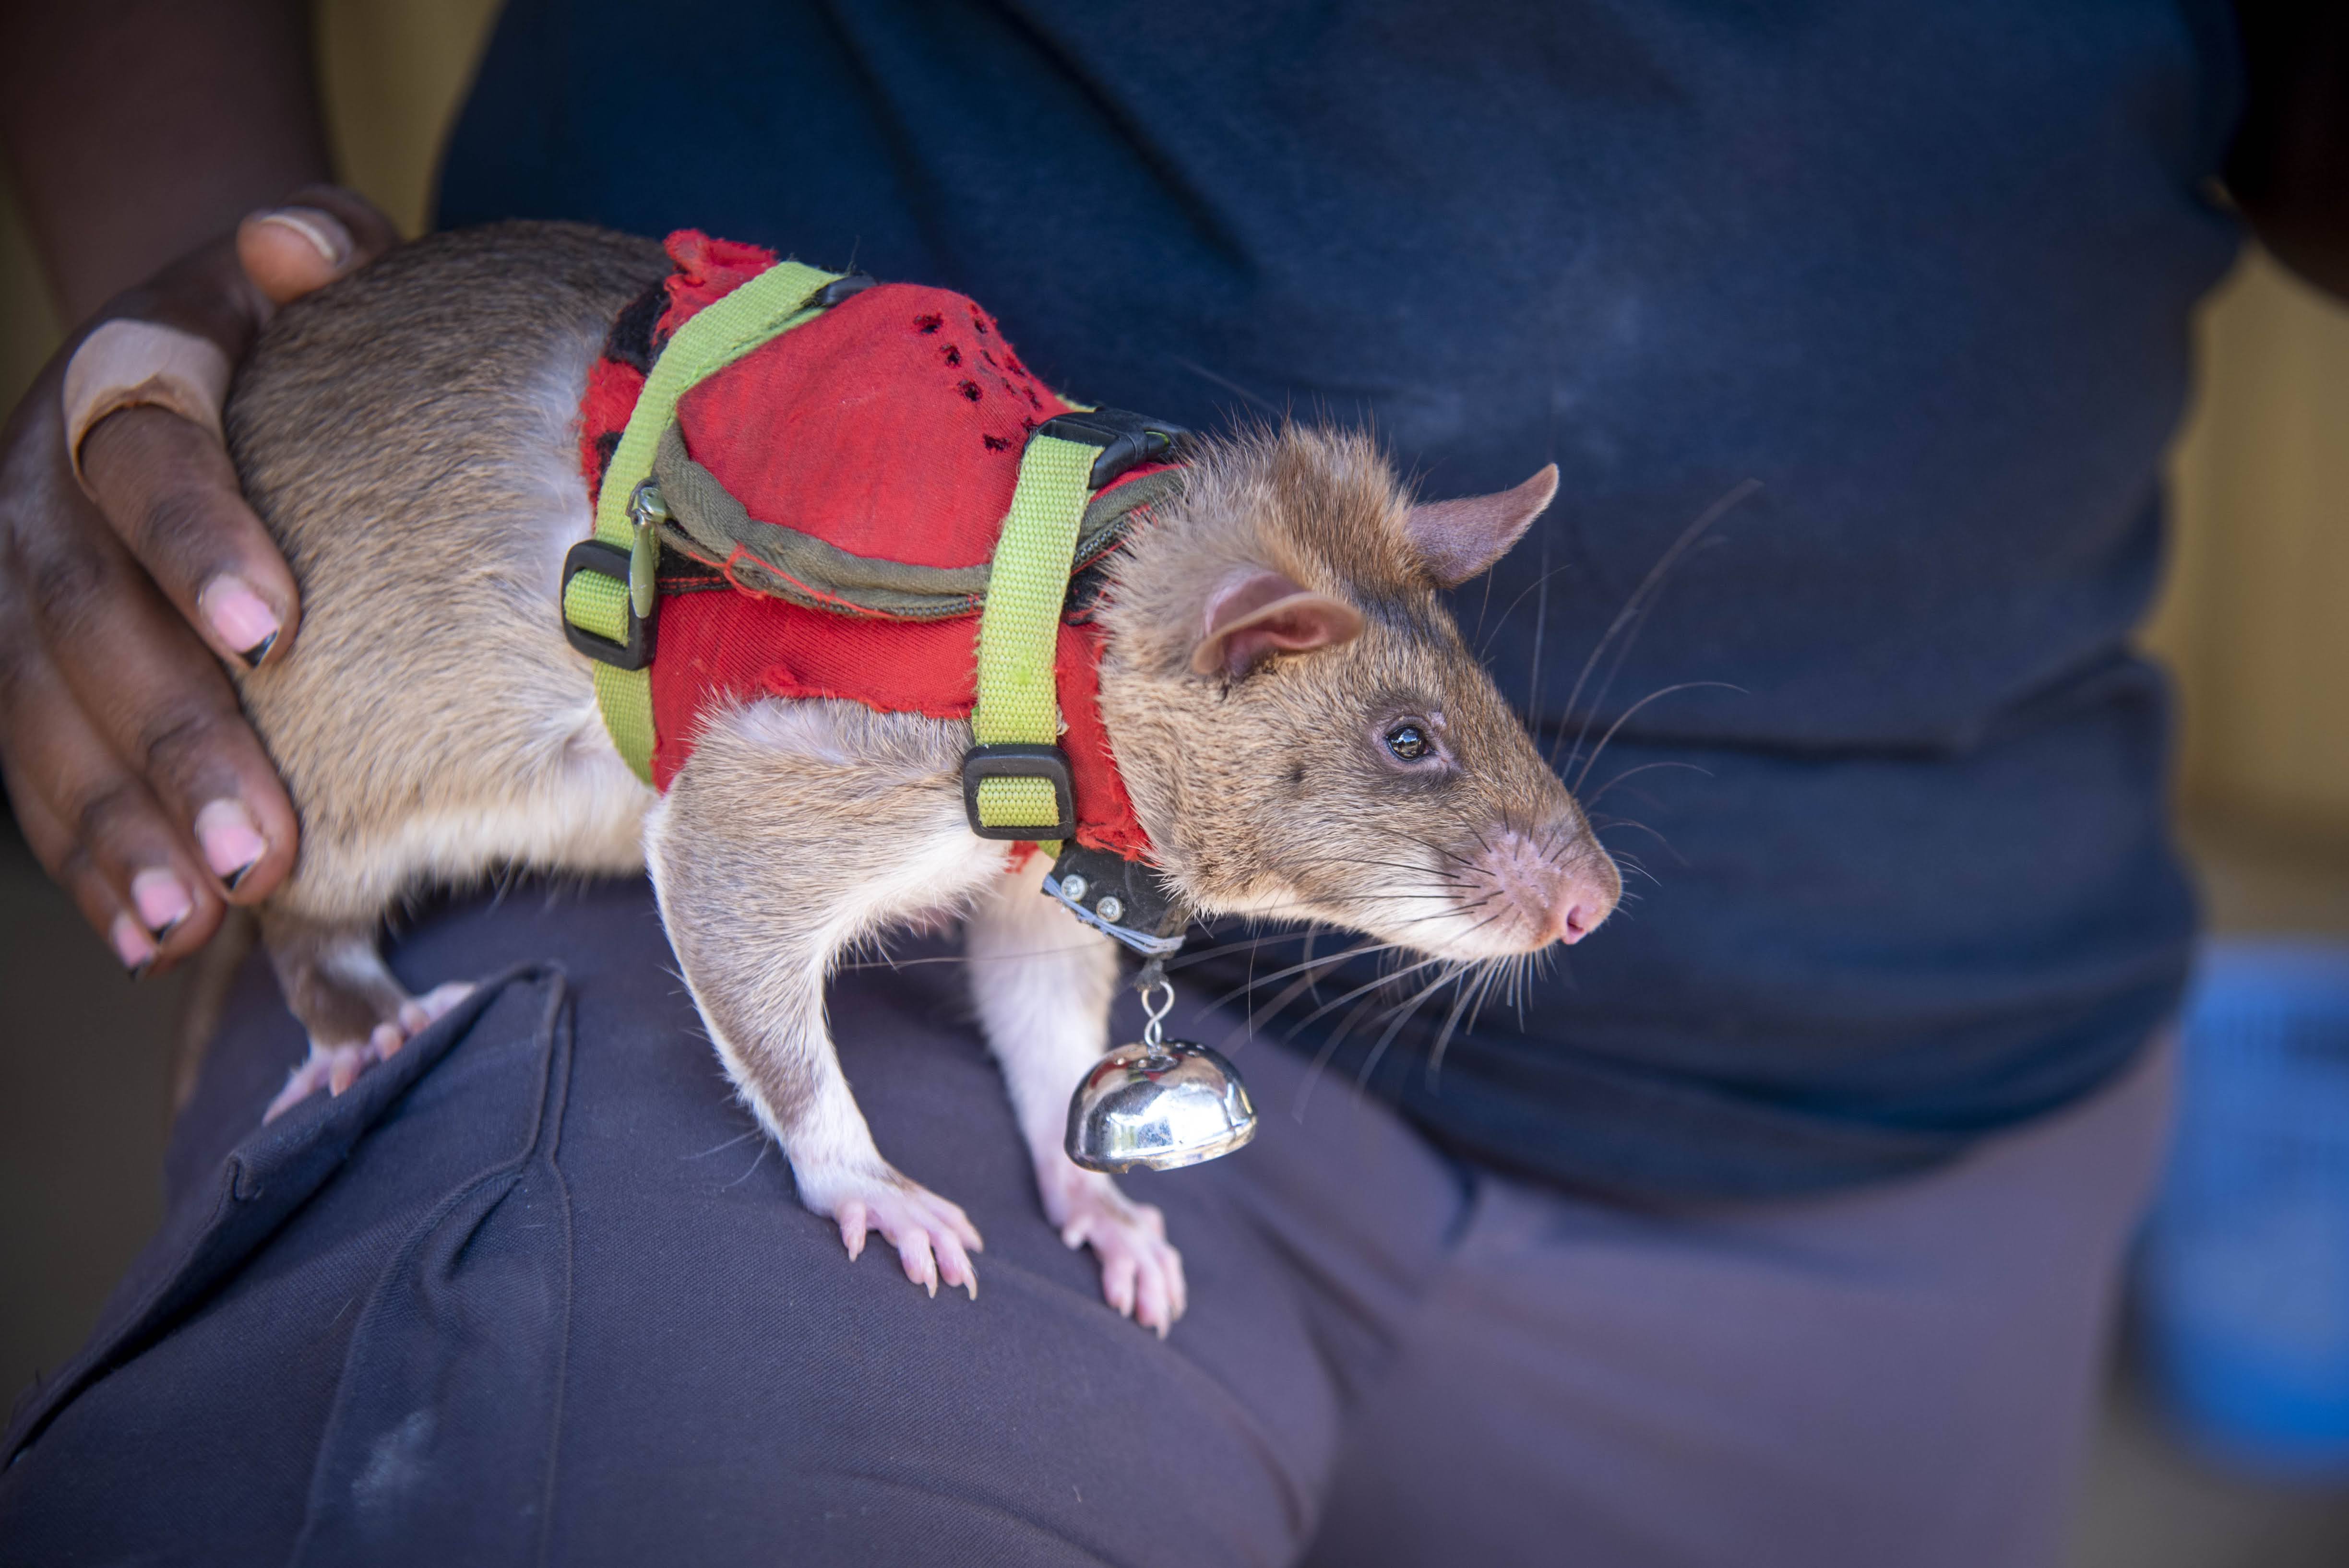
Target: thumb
[322,233]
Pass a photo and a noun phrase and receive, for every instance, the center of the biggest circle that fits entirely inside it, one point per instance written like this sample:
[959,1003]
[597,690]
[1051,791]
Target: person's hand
[133,774]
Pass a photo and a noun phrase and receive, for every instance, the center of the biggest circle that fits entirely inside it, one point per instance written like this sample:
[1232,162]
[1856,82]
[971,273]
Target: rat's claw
[954,1263]
[1142,1276]
[300,1085]
[1117,1283]
[1152,1302]
[934,1239]
[914,1252]
[350,1061]
[336,1067]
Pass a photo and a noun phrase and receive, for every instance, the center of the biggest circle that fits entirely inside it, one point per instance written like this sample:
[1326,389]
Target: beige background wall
[2255,619]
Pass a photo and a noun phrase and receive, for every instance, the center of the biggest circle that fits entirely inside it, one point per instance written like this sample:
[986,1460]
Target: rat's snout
[1555,885]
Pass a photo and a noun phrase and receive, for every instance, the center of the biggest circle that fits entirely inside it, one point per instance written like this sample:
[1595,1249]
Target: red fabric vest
[892,426]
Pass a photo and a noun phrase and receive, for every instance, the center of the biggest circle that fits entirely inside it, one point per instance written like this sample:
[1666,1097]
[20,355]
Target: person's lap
[1901,1375]
[559,1297]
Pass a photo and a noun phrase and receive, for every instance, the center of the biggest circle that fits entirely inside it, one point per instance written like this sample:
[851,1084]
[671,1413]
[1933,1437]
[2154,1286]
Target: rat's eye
[1409,742]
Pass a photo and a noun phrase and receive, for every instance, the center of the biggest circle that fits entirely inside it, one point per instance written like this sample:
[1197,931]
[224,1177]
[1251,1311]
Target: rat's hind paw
[933,1237]
[337,1067]
[1142,1273]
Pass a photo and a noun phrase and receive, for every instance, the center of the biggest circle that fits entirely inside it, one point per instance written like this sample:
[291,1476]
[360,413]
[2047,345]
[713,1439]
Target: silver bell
[1160,1103]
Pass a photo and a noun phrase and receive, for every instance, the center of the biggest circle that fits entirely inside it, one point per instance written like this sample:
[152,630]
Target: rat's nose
[1555,891]
[1577,906]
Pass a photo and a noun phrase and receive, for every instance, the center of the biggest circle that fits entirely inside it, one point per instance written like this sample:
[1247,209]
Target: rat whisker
[1404,1013]
[1448,913]
[1229,385]
[1520,599]
[1309,963]
[1735,497]
[764,1145]
[1615,822]
[1368,986]
[1601,793]
[1320,1062]
[1247,1025]
[1226,949]
[721,1148]
[1451,1022]
[1625,716]
[1541,625]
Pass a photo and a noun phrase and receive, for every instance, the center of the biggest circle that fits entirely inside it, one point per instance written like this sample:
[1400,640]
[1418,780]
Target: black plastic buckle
[1126,440]
[607,561]
[1048,762]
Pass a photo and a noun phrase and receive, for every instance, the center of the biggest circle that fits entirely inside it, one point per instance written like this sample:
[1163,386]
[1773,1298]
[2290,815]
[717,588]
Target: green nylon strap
[1020,626]
[760,310]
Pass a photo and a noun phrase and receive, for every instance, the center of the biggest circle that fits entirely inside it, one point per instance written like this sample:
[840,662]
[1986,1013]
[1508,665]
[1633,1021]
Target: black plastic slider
[607,561]
[1050,763]
[1126,439]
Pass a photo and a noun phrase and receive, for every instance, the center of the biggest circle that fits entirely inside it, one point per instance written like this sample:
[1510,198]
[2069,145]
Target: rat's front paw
[1142,1275]
[336,1067]
[933,1237]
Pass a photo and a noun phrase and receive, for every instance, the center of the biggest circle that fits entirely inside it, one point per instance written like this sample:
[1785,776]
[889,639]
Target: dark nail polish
[163,932]
[235,879]
[137,971]
[259,651]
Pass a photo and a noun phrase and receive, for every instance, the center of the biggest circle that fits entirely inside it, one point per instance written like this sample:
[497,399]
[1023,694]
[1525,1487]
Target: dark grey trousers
[535,1292]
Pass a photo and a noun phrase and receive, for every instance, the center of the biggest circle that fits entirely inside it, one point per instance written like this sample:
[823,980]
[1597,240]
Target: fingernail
[326,236]
[132,946]
[162,902]
[243,622]
[231,844]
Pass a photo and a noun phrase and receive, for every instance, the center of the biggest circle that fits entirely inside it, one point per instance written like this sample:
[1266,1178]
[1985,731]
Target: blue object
[2245,1269]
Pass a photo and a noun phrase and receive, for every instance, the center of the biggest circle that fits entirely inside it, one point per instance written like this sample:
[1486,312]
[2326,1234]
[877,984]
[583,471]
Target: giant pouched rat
[1300,726]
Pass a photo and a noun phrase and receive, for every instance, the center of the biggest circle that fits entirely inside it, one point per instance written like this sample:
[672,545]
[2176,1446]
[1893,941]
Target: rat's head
[1302,728]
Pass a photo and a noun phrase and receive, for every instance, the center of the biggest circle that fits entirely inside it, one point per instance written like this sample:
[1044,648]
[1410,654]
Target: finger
[322,233]
[167,489]
[94,826]
[131,670]
[99,905]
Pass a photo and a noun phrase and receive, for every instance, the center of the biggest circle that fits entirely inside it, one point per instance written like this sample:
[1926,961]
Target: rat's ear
[1458,539]
[1253,617]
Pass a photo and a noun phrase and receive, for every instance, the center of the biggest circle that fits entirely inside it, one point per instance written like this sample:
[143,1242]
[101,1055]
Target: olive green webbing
[767,306]
[1020,626]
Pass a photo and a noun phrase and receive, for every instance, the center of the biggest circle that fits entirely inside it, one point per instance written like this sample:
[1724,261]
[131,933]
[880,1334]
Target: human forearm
[2288,166]
[135,130]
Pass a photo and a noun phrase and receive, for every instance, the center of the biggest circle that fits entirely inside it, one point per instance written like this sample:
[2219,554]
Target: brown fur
[1269,790]
[409,435]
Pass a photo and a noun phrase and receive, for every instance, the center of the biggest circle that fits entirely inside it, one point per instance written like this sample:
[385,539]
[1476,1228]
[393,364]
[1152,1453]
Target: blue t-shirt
[1921,271]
